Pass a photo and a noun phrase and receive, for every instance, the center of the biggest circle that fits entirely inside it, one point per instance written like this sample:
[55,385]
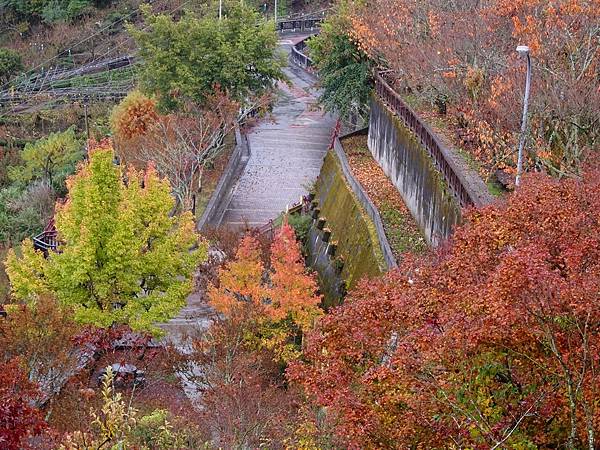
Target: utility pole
[276,14]
[220,9]
[523,51]
[85,112]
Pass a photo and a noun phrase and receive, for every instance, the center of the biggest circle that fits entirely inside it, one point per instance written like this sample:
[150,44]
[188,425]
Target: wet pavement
[286,153]
[286,157]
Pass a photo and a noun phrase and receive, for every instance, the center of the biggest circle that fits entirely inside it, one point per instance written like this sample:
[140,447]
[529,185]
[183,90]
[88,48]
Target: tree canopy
[345,71]
[191,56]
[10,64]
[49,159]
[463,55]
[48,10]
[19,420]
[491,342]
[281,298]
[124,258]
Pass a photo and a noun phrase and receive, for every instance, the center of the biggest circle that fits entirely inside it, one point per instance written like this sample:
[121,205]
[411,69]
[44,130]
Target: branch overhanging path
[286,152]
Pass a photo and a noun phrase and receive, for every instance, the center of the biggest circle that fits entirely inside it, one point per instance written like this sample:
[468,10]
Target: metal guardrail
[268,229]
[298,25]
[299,57]
[47,240]
[429,140]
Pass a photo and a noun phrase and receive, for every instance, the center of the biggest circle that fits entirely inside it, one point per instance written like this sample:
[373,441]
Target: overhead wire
[100,31]
[100,58]
[96,60]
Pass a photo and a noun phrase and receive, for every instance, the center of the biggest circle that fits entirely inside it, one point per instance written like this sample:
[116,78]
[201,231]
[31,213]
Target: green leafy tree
[344,70]
[10,64]
[124,257]
[49,160]
[189,57]
[48,10]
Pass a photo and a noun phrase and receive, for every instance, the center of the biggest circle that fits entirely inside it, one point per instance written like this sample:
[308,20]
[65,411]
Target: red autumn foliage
[18,419]
[48,343]
[463,54]
[492,342]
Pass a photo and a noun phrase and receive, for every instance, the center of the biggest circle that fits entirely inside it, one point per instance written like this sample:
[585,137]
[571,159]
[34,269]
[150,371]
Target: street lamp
[523,51]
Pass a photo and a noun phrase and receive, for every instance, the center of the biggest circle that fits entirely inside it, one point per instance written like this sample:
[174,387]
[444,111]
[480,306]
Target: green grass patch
[402,235]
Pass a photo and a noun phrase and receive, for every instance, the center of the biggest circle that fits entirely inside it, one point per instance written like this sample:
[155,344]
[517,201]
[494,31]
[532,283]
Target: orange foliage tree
[282,298]
[491,342]
[133,117]
[463,54]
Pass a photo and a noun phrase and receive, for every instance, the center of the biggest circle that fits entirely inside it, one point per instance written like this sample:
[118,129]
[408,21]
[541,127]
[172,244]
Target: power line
[112,49]
[100,31]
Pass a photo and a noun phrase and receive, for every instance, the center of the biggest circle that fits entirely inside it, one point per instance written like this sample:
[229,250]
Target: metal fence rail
[429,140]
[47,240]
[299,57]
[298,25]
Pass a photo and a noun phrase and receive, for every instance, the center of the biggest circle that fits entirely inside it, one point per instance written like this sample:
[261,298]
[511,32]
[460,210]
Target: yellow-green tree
[50,159]
[124,258]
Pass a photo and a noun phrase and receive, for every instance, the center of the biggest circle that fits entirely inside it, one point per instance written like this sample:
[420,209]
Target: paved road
[286,155]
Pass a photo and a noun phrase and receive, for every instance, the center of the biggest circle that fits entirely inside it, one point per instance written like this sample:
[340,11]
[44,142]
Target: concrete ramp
[286,155]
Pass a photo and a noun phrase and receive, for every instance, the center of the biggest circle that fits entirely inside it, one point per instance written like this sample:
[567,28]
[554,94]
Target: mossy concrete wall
[411,169]
[357,252]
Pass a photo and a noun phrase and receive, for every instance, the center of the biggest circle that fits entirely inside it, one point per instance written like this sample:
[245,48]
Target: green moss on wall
[351,228]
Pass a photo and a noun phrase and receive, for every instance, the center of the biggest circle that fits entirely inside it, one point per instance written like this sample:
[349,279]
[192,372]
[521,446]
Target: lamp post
[523,51]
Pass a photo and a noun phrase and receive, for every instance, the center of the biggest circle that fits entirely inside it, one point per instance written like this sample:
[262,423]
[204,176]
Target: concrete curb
[213,214]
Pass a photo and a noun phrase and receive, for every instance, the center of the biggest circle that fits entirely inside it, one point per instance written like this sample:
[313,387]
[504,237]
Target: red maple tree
[491,342]
[281,297]
[18,419]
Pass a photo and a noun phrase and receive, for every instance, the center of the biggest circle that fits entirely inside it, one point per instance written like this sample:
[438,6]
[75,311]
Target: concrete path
[191,322]
[286,155]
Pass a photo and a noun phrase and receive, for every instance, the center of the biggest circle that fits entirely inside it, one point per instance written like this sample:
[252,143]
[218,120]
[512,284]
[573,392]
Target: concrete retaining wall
[357,248]
[411,169]
[212,215]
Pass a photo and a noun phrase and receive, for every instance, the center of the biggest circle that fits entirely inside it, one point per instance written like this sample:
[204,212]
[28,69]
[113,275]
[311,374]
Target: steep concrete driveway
[286,156]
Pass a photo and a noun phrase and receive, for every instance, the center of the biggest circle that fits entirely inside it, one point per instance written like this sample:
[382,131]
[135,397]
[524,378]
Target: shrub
[10,64]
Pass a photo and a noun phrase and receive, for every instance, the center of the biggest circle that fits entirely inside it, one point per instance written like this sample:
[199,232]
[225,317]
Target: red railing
[427,138]
[335,133]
